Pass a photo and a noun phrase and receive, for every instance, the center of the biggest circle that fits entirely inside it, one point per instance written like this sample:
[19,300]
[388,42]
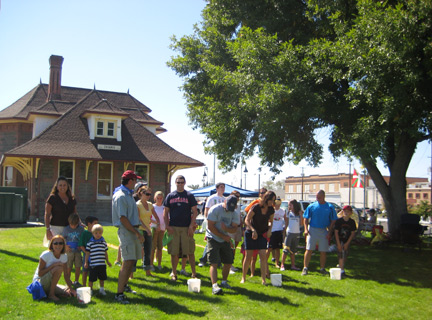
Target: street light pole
[259,182]
[245,171]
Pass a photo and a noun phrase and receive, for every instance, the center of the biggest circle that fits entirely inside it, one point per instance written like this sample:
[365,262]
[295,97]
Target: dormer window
[105,128]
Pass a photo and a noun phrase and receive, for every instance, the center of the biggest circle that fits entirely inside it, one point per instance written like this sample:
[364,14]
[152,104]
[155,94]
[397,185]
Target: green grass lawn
[383,284]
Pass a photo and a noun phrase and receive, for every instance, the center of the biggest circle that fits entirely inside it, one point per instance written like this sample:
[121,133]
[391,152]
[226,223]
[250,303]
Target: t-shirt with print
[180,208]
[344,228]
[72,237]
[278,220]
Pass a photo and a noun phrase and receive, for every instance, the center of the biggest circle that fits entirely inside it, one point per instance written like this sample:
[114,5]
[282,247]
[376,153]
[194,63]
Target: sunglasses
[148,194]
[58,243]
[180,182]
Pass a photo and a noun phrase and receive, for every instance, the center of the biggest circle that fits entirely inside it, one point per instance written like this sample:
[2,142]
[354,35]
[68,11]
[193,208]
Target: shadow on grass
[390,265]
[14,254]
[166,305]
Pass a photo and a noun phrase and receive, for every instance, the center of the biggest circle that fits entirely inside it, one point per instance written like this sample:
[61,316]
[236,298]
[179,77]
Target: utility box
[13,204]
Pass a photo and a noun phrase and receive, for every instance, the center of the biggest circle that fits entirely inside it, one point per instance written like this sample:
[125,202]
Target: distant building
[418,192]
[89,136]
[337,188]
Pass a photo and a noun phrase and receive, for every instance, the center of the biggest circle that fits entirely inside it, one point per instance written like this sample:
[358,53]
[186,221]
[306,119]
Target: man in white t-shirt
[214,199]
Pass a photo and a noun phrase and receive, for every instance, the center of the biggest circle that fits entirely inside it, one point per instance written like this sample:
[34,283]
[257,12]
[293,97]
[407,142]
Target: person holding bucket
[222,219]
[345,230]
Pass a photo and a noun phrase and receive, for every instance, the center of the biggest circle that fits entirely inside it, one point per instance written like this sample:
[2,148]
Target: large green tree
[264,76]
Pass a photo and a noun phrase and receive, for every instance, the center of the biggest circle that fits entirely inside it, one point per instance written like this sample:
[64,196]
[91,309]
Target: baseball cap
[139,185]
[231,202]
[347,208]
[130,174]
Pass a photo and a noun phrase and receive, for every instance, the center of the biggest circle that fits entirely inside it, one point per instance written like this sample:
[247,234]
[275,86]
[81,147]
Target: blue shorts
[251,244]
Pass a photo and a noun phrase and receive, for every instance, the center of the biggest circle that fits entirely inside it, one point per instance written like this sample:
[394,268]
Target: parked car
[303,205]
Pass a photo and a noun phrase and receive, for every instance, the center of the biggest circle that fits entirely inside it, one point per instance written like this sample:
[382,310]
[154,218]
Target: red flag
[356,181]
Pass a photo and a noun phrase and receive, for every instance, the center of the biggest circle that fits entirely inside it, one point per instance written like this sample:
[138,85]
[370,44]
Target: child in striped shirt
[96,255]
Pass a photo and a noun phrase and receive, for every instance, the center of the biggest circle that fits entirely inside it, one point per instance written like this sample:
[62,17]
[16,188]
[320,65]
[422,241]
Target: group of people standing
[141,227]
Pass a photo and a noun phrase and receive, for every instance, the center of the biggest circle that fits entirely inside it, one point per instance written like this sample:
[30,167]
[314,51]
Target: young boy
[345,229]
[72,234]
[90,221]
[96,255]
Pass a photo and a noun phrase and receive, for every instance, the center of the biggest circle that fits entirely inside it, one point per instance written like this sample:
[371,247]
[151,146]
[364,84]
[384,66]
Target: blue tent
[208,191]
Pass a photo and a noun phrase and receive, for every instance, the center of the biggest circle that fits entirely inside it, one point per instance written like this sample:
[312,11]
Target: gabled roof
[68,137]
[35,102]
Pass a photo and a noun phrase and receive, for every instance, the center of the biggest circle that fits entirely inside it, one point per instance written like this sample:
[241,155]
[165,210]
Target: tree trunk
[394,193]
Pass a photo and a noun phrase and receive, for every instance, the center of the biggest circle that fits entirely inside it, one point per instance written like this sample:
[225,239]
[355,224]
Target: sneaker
[200,264]
[129,289]
[184,273]
[231,272]
[121,298]
[152,268]
[234,269]
[324,272]
[343,275]
[304,272]
[225,285]
[273,259]
[102,292]
[117,263]
[282,268]
[76,284]
[159,268]
[216,290]
[173,276]
[295,268]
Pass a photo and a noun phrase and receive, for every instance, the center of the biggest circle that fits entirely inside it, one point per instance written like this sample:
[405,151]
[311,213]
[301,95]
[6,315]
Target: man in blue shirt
[319,220]
[125,218]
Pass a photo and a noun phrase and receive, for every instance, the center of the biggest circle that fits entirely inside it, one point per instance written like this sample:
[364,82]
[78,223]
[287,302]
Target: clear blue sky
[121,45]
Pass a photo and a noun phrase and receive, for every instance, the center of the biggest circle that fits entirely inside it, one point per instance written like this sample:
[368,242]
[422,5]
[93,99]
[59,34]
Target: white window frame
[99,195]
[105,129]
[290,188]
[71,180]
[7,182]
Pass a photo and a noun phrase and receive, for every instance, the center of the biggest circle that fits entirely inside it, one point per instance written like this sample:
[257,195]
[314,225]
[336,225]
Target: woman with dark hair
[295,221]
[52,264]
[259,221]
[59,205]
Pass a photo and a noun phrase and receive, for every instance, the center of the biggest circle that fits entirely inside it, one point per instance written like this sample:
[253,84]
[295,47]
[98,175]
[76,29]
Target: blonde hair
[157,194]
[97,227]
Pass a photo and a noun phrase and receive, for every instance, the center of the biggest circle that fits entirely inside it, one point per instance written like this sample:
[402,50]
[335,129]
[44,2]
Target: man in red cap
[125,217]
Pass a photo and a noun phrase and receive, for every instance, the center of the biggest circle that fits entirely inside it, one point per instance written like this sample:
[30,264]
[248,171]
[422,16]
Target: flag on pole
[356,180]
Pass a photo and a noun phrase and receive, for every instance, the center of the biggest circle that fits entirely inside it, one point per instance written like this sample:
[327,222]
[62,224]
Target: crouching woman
[52,264]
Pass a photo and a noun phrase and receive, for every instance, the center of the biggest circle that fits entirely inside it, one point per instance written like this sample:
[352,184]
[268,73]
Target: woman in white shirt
[52,264]
[295,220]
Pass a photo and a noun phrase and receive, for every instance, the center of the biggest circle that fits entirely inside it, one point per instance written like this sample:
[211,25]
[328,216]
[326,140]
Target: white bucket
[276,280]
[194,285]
[84,294]
[335,273]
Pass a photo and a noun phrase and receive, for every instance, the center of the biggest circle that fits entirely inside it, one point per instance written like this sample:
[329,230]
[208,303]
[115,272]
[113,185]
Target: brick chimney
[54,87]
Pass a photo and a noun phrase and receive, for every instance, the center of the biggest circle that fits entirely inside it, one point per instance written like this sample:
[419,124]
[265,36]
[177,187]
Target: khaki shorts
[45,281]
[317,236]
[181,242]
[157,239]
[129,244]
[74,258]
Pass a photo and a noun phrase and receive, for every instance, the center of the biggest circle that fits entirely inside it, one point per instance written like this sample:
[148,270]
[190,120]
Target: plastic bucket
[276,280]
[194,285]
[84,294]
[335,273]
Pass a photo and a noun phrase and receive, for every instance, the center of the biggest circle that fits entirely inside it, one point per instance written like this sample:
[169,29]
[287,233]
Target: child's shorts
[276,240]
[291,242]
[74,258]
[344,253]
[97,272]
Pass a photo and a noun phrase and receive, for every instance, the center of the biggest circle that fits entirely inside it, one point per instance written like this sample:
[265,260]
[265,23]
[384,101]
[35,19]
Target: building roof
[68,137]
[35,101]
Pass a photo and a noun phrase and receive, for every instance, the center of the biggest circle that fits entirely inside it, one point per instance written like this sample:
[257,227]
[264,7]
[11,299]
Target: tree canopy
[263,76]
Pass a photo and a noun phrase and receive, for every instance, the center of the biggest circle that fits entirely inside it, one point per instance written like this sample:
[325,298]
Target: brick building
[89,136]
